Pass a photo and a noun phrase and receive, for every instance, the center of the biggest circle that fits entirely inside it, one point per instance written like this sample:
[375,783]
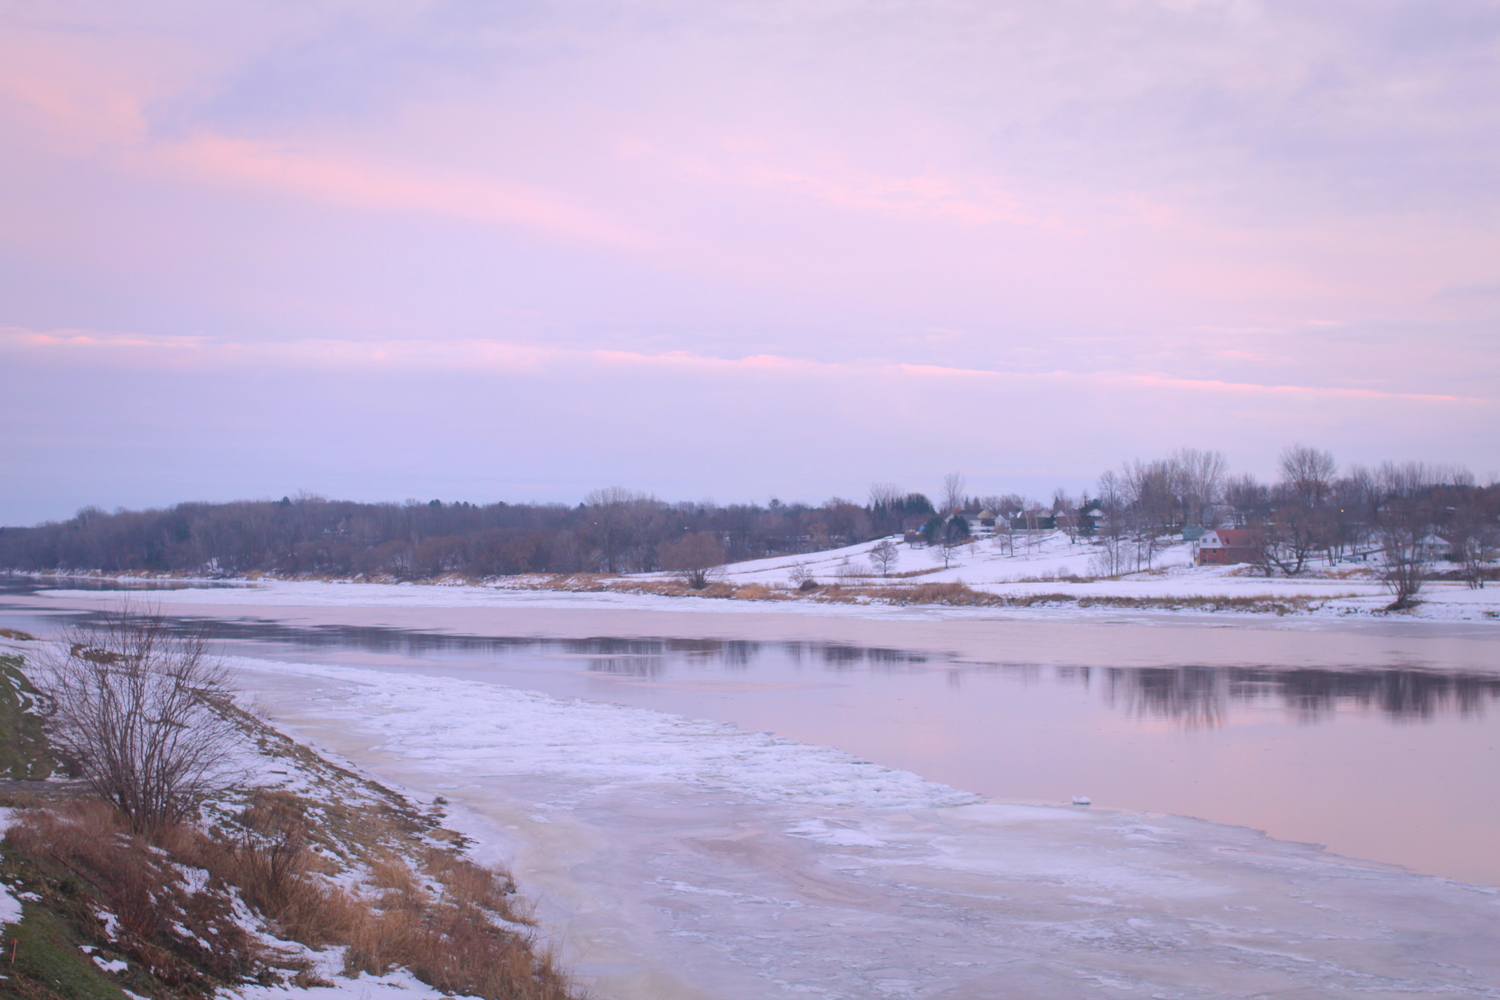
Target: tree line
[1405,514]
[611,531]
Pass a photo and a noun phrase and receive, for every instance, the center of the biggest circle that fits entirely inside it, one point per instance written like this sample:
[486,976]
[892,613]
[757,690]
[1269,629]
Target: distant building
[987,518]
[1226,546]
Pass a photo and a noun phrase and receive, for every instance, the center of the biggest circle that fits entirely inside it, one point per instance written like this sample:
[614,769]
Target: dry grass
[350,864]
[950,593]
[453,923]
[1056,576]
[186,937]
[755,592]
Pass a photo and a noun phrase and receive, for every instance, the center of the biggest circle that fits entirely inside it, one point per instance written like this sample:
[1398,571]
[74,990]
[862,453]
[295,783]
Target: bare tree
[1472,532]
[1005,508]
[1295,534]
[1404,521]
[884,556]
[134,710]
[622,523]
[1307,474]
[1403,533]
[1200,481]
[1065,514]
[696,556]
[884,495]
[1249,501]
[1111,559]
[953,492]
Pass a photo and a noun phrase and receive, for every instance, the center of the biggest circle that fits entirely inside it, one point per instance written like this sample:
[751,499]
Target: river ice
[677,858]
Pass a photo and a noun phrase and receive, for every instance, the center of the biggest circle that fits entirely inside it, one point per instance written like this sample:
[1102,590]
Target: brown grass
[952,593]
[359,866]
[754,592]
[466,937]
[187,939]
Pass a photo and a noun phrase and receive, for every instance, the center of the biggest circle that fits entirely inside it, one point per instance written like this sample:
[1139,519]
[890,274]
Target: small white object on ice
[1082,800]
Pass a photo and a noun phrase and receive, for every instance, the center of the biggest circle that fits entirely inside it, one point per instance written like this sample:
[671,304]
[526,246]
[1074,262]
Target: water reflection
[1196,697]
[1200,696]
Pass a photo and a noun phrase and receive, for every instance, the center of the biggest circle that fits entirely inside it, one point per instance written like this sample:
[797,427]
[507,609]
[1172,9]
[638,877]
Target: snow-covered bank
[1046,574]
[1050,563]
[676,858]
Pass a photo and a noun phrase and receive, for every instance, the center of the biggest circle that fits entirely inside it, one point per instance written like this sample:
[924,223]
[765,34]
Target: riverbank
[1043,576]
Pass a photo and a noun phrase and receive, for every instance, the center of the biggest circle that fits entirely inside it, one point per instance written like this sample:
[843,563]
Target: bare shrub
[697,556]
[847,573]
[134,710]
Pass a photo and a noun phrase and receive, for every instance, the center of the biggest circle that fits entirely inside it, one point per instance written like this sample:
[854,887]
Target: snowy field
[1046,563]
[1043,563]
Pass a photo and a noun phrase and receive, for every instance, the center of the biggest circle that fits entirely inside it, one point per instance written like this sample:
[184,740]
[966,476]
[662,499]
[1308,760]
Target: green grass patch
[49,962]
[23,746]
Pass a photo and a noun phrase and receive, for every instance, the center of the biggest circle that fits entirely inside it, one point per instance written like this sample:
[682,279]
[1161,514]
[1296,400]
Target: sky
[732,250]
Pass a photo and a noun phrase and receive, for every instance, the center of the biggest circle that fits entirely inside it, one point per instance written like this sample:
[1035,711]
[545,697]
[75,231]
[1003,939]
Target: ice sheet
[676,858]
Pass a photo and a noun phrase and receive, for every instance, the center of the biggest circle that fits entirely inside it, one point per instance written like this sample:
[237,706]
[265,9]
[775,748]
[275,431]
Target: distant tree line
[1406,514]
[612,531]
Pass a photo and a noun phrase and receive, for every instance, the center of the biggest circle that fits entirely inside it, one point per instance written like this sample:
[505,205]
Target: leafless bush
[846,572]
[698,557]
[134,712]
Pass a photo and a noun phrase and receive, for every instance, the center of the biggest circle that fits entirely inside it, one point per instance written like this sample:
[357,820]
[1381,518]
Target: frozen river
[721,850]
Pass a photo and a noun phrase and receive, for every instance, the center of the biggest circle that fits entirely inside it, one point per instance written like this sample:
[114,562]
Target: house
[1226,546]
[986,518]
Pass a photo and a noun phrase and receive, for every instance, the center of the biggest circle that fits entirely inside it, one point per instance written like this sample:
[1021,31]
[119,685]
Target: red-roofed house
[1225,546]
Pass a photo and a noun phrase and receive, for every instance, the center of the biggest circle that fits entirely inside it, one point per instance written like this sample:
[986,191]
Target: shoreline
[1171,591]
[1040,636]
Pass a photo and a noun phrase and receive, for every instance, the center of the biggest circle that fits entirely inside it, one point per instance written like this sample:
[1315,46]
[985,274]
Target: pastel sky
[482,251]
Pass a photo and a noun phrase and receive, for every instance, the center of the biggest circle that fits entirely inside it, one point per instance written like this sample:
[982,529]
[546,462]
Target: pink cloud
[500,355]
[345,180]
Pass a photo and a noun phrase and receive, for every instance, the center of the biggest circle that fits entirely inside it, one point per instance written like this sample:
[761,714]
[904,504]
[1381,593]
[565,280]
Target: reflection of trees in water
[651,657]
[1401,694]
[1197,696]
[837,656]
[1193,695]
[1200,696]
